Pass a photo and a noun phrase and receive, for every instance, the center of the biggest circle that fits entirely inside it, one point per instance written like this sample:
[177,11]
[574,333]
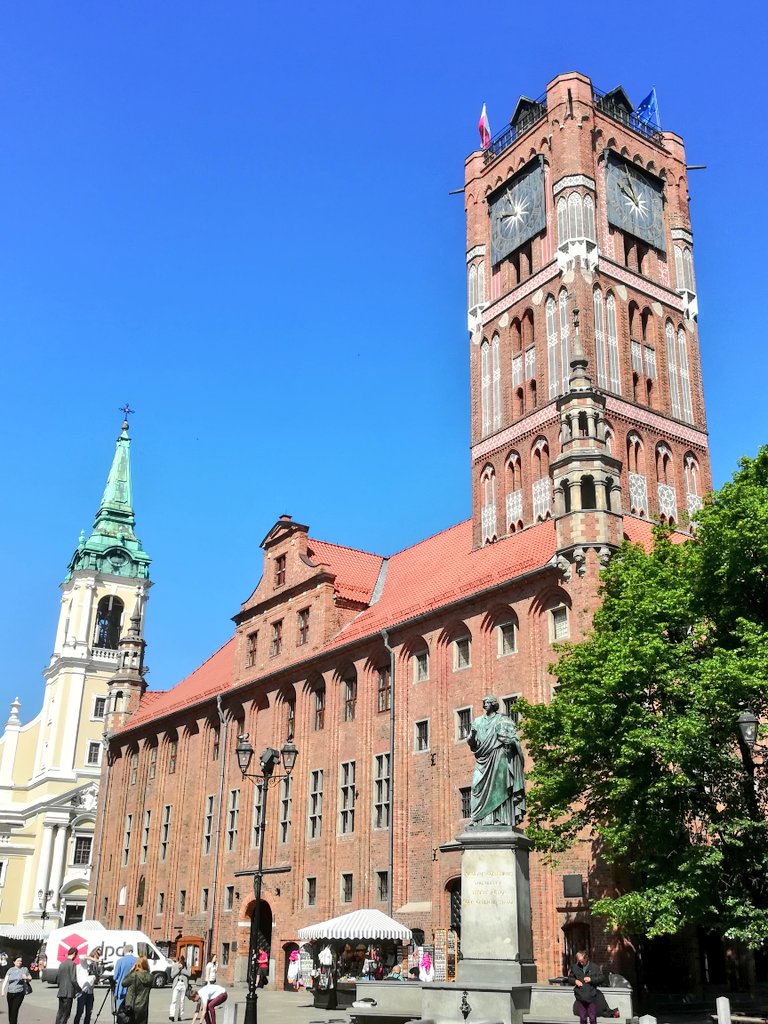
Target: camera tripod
[109,994]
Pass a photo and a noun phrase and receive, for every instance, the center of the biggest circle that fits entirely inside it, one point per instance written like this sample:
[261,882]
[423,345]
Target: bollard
[230,1012]
[647,1019]
[723,1005]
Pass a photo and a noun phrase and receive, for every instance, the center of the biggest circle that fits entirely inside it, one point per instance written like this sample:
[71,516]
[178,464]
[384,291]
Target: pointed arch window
[692,487]
[638,485]
[565,342]
[496,390]
[665,484]
[684,376]
[514,488]
[488,514]
[614,375]
[552,361]
[542,494]
[601,358]
[485,386]
[674,384]
[472,287]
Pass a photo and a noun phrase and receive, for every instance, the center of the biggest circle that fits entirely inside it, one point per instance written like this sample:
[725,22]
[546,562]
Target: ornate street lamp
[748,723]
[44,897]
[268,762]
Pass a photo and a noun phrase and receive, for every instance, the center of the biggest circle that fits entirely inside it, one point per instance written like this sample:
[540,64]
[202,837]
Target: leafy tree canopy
[639,745]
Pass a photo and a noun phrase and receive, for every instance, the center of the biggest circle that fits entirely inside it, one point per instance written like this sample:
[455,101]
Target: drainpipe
[217,845]
[391,850]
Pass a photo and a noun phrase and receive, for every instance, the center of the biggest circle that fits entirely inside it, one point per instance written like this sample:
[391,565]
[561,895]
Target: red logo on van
[65,944]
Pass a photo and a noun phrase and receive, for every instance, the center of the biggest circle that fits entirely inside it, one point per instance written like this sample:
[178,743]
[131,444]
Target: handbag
[124,1014]
[27,989]
[322,983]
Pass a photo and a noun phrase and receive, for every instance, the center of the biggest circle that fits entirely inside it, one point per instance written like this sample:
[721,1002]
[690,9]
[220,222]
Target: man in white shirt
[207,999]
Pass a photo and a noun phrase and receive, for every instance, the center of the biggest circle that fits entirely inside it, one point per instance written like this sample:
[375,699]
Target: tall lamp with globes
[269,760]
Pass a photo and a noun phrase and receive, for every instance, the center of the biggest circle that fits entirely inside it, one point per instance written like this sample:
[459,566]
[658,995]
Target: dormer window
[280,571]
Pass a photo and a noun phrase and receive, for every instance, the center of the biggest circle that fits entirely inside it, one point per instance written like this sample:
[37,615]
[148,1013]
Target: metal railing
[504,139]
[631,121]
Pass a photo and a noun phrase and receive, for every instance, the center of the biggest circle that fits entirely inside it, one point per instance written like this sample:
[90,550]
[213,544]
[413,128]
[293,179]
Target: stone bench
[551,1003]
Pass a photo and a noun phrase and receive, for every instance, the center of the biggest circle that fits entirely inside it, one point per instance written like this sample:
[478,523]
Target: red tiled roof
[429,575]
[640,531]
[356,571]
[212,677]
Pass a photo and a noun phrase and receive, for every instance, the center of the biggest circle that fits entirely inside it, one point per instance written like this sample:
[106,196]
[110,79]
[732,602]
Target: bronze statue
[498,785]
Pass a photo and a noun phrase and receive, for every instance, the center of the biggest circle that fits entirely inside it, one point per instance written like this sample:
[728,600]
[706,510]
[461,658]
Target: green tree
[638,748]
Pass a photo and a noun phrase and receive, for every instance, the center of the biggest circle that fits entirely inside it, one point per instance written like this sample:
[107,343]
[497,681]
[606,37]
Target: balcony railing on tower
[605,103]
[504,139]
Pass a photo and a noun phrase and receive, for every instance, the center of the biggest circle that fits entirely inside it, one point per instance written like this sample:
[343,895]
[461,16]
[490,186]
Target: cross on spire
[126,410]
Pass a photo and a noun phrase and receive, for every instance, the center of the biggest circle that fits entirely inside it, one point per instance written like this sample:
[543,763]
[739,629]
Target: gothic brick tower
[587,400]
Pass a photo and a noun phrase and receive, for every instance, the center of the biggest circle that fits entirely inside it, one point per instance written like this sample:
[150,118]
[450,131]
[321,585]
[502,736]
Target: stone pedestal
[496,970]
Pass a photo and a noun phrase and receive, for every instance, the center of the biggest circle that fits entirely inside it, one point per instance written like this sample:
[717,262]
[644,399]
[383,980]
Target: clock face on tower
[517,211]
[635,201]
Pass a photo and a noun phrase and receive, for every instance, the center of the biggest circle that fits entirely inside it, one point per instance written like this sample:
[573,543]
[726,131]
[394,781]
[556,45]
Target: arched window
[481,282]
[552,363]
[638,486]
[692,488]
[575,216]
[684,269]
[565,343]
[562,221]
[109,616]
[488,512]
[514,490]
[588,492]
[674,384]
[472,287]
[485,385]
[496,353]
[666,484]
[542,500]
[684,376]
[601,357]
[614,375]
[589,218]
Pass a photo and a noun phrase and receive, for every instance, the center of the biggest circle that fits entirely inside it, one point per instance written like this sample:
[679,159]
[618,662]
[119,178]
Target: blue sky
[236,217]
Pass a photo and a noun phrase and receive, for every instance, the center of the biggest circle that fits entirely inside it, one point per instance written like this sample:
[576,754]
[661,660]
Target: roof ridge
[432,536]
[343,547]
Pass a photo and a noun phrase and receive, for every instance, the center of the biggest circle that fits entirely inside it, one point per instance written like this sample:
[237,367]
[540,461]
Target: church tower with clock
[587,402]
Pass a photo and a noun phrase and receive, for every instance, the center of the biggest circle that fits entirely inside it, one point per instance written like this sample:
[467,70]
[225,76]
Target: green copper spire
[113,547]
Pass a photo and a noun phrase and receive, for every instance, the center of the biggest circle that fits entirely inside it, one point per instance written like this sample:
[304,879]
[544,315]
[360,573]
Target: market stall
[342,946]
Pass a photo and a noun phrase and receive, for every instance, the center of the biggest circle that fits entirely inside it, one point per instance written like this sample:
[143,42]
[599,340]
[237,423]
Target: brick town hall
[588,424]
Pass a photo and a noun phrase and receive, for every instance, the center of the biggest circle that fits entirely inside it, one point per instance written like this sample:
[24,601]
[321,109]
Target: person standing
[179,980]
[586,976]
[426,969]
[263,967]
[124,964]
[207,999]
[138,984]
[211,969]
[85,996]
[15,984]
[68,986]
[294,969]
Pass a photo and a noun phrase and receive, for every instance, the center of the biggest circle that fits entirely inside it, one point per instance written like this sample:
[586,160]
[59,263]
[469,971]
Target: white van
[86,936]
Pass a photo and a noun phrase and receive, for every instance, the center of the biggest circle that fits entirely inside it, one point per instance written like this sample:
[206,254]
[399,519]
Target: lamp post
[43,899]
[269,760]
[748,724]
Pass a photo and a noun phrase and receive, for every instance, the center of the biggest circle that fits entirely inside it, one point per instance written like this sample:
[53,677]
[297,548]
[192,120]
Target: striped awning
[360,924]
[23,932]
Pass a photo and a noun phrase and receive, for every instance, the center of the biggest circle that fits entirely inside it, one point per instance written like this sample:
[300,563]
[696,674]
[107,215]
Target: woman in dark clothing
[138,984]
[14,988]
[590,1001]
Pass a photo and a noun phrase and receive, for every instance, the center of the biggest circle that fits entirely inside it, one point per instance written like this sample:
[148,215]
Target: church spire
[113,547]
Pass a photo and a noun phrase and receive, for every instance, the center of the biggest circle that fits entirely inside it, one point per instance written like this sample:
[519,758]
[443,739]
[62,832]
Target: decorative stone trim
[664,425]
[572,181]
[510,435]
[640,284]
[682,235]
[475,251]
[498,306]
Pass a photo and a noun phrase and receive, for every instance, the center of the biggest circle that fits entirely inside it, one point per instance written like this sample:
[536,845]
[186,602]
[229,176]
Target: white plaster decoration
[542,501]
[657,308]
[638,493]
[488,522]
[682,235]
[538,298]
[622,292]
[514,508]
[501,305]
[579,250]
[475,251]
[510,435]
[668,501]
[504,321]
[573,181]
[694,503]
[640,284]
[690,304]
[663,426]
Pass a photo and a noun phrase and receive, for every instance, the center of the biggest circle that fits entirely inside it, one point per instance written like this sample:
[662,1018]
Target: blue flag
[648,110]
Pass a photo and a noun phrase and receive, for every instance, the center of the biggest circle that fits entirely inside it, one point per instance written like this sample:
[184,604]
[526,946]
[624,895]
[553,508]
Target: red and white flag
[485,130]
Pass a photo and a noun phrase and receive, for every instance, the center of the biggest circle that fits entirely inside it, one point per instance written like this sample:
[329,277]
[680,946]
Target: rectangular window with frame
[165,832]
[462,653]
[173,753]
[509,704]
[286,799]
[381,790]
[290,718]
[463,723]
[160,903]
[350,698]
[152,770]
[229,897]
[258,791]
[559,624]
[99,708]
[203,900]
[127,837]
[384,688]
[225,954]
[422,735]
[93,757]
[208,825]
[382,886]
[251,647]
[347,803]
[315,822]
[182,901]
[276,646]
[215,745]
[82,853]
[319,708]
[310,891]
[421,666]
[465,801]
[145,836]
[302,618]
[233,814]
[134,769]
[507,639]
[280,562]
[346,888]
